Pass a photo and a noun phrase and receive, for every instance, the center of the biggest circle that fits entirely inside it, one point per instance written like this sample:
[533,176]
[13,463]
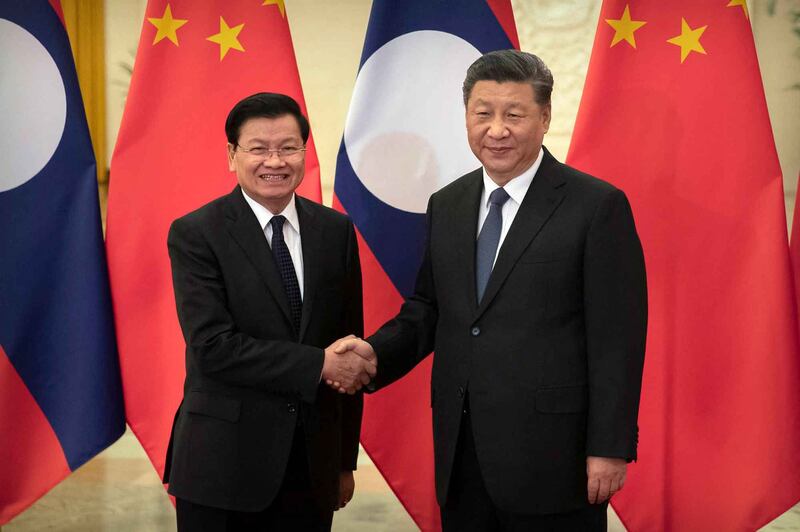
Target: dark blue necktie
[285,265]
[488,239]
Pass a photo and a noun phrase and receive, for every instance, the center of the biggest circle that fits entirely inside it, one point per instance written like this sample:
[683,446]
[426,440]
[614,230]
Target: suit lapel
[312,239]
[544,195]
[243,226]
[465,216]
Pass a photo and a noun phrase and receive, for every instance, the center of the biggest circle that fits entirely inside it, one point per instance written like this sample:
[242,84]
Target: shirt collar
[264,215]
[517,187]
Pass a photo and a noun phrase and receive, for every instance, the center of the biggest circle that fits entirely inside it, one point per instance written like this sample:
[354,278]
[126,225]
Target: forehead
[505,93]
[270,128]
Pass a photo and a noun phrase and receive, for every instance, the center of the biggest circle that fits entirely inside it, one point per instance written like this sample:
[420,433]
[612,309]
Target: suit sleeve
[214,343]
[615,303]
[352,405]
[404,341]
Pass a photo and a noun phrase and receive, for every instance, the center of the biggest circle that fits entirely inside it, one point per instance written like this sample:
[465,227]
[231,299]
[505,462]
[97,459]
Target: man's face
[505,127]
[269,179]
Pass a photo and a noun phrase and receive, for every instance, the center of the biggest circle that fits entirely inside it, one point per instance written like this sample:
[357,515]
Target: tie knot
[498,197]
[277,224]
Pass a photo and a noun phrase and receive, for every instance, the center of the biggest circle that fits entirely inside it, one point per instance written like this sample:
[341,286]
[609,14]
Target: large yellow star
[743,3]
[227,38]
[167,26]
[624,28]
[278,3]
[688,40]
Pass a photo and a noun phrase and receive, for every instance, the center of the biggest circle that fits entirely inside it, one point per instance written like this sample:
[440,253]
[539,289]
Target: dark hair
[511,65]
[263,105]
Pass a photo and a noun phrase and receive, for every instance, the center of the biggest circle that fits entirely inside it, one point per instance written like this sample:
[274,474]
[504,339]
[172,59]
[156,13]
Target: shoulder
[325,214]
[589,184]
[578,184]
[208,216]
[320,212]
[460,186]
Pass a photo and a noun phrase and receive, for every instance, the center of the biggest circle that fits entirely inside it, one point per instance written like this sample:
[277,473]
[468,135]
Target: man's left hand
[347,486]
[606,477]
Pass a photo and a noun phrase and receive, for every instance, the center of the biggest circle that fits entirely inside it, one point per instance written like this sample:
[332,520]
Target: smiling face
[505,127]
[268,179]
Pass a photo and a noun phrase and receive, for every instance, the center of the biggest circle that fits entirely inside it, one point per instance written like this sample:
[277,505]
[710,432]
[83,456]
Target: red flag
[195,61]
[794,248]
[673,112]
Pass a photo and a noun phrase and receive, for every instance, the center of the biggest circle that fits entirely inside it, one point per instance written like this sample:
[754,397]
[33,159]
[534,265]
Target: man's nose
[273,160]
[497,129]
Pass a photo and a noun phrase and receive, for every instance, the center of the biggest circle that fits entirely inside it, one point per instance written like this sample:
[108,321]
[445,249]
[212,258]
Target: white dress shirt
[516,189]
[291,232]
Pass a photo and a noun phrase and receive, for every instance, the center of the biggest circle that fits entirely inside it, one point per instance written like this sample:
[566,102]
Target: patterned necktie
[285,265]
[488,239]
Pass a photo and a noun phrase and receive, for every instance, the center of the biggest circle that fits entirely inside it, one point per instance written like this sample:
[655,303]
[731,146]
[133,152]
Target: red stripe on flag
[56,4]
[794,248]
[31,459]
[406,403]
[505,16]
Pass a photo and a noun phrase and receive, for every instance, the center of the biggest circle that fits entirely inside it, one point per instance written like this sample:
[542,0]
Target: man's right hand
[346,369]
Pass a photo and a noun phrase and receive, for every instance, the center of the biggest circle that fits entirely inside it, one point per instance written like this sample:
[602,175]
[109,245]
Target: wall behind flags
[328,37]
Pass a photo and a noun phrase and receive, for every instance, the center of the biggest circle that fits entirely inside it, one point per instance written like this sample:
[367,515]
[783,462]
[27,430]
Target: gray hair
[511,65]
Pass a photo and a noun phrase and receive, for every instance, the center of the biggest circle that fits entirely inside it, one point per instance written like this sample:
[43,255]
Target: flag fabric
[673,112]
[404,139]
[195,61]
[60,394]
[795,249]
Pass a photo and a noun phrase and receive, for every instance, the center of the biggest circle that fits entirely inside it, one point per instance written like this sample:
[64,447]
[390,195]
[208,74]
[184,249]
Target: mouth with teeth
[272,178]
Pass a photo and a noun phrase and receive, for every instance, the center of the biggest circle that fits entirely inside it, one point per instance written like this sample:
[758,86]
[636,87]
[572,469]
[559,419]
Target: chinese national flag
[195,61]
[673,112]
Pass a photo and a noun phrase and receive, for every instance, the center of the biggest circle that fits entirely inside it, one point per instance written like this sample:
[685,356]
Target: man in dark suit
[264,280]
[532,293]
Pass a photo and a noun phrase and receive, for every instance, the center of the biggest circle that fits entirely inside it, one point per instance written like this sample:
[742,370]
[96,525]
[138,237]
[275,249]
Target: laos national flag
[404,139]
[60,397]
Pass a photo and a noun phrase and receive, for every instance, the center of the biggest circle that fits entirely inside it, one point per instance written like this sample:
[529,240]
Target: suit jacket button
[475,331]
[292,409]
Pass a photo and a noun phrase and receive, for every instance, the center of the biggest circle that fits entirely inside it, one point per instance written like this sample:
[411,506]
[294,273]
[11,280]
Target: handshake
[349,364]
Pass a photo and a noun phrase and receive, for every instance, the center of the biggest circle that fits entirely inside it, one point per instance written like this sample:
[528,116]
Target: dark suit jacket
[248,375]
[551,358]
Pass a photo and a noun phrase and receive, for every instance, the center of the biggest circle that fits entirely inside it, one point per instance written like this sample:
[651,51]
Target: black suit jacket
[249,377]
[551,357]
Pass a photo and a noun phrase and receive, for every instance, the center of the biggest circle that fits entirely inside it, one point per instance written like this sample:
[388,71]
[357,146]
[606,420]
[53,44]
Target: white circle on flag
[405,132]
[33,106]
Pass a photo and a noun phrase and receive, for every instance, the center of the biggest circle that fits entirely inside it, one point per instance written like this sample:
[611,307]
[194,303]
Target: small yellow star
[688,40]
[625,27]
[167,26]
[227,38]
[278,3]
[743,3]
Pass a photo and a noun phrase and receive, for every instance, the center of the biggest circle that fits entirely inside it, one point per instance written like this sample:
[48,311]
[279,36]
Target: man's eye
[289,150]
[257,151]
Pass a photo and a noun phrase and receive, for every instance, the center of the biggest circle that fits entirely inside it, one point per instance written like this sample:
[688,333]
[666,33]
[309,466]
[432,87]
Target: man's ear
[546,117]
[231,153]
